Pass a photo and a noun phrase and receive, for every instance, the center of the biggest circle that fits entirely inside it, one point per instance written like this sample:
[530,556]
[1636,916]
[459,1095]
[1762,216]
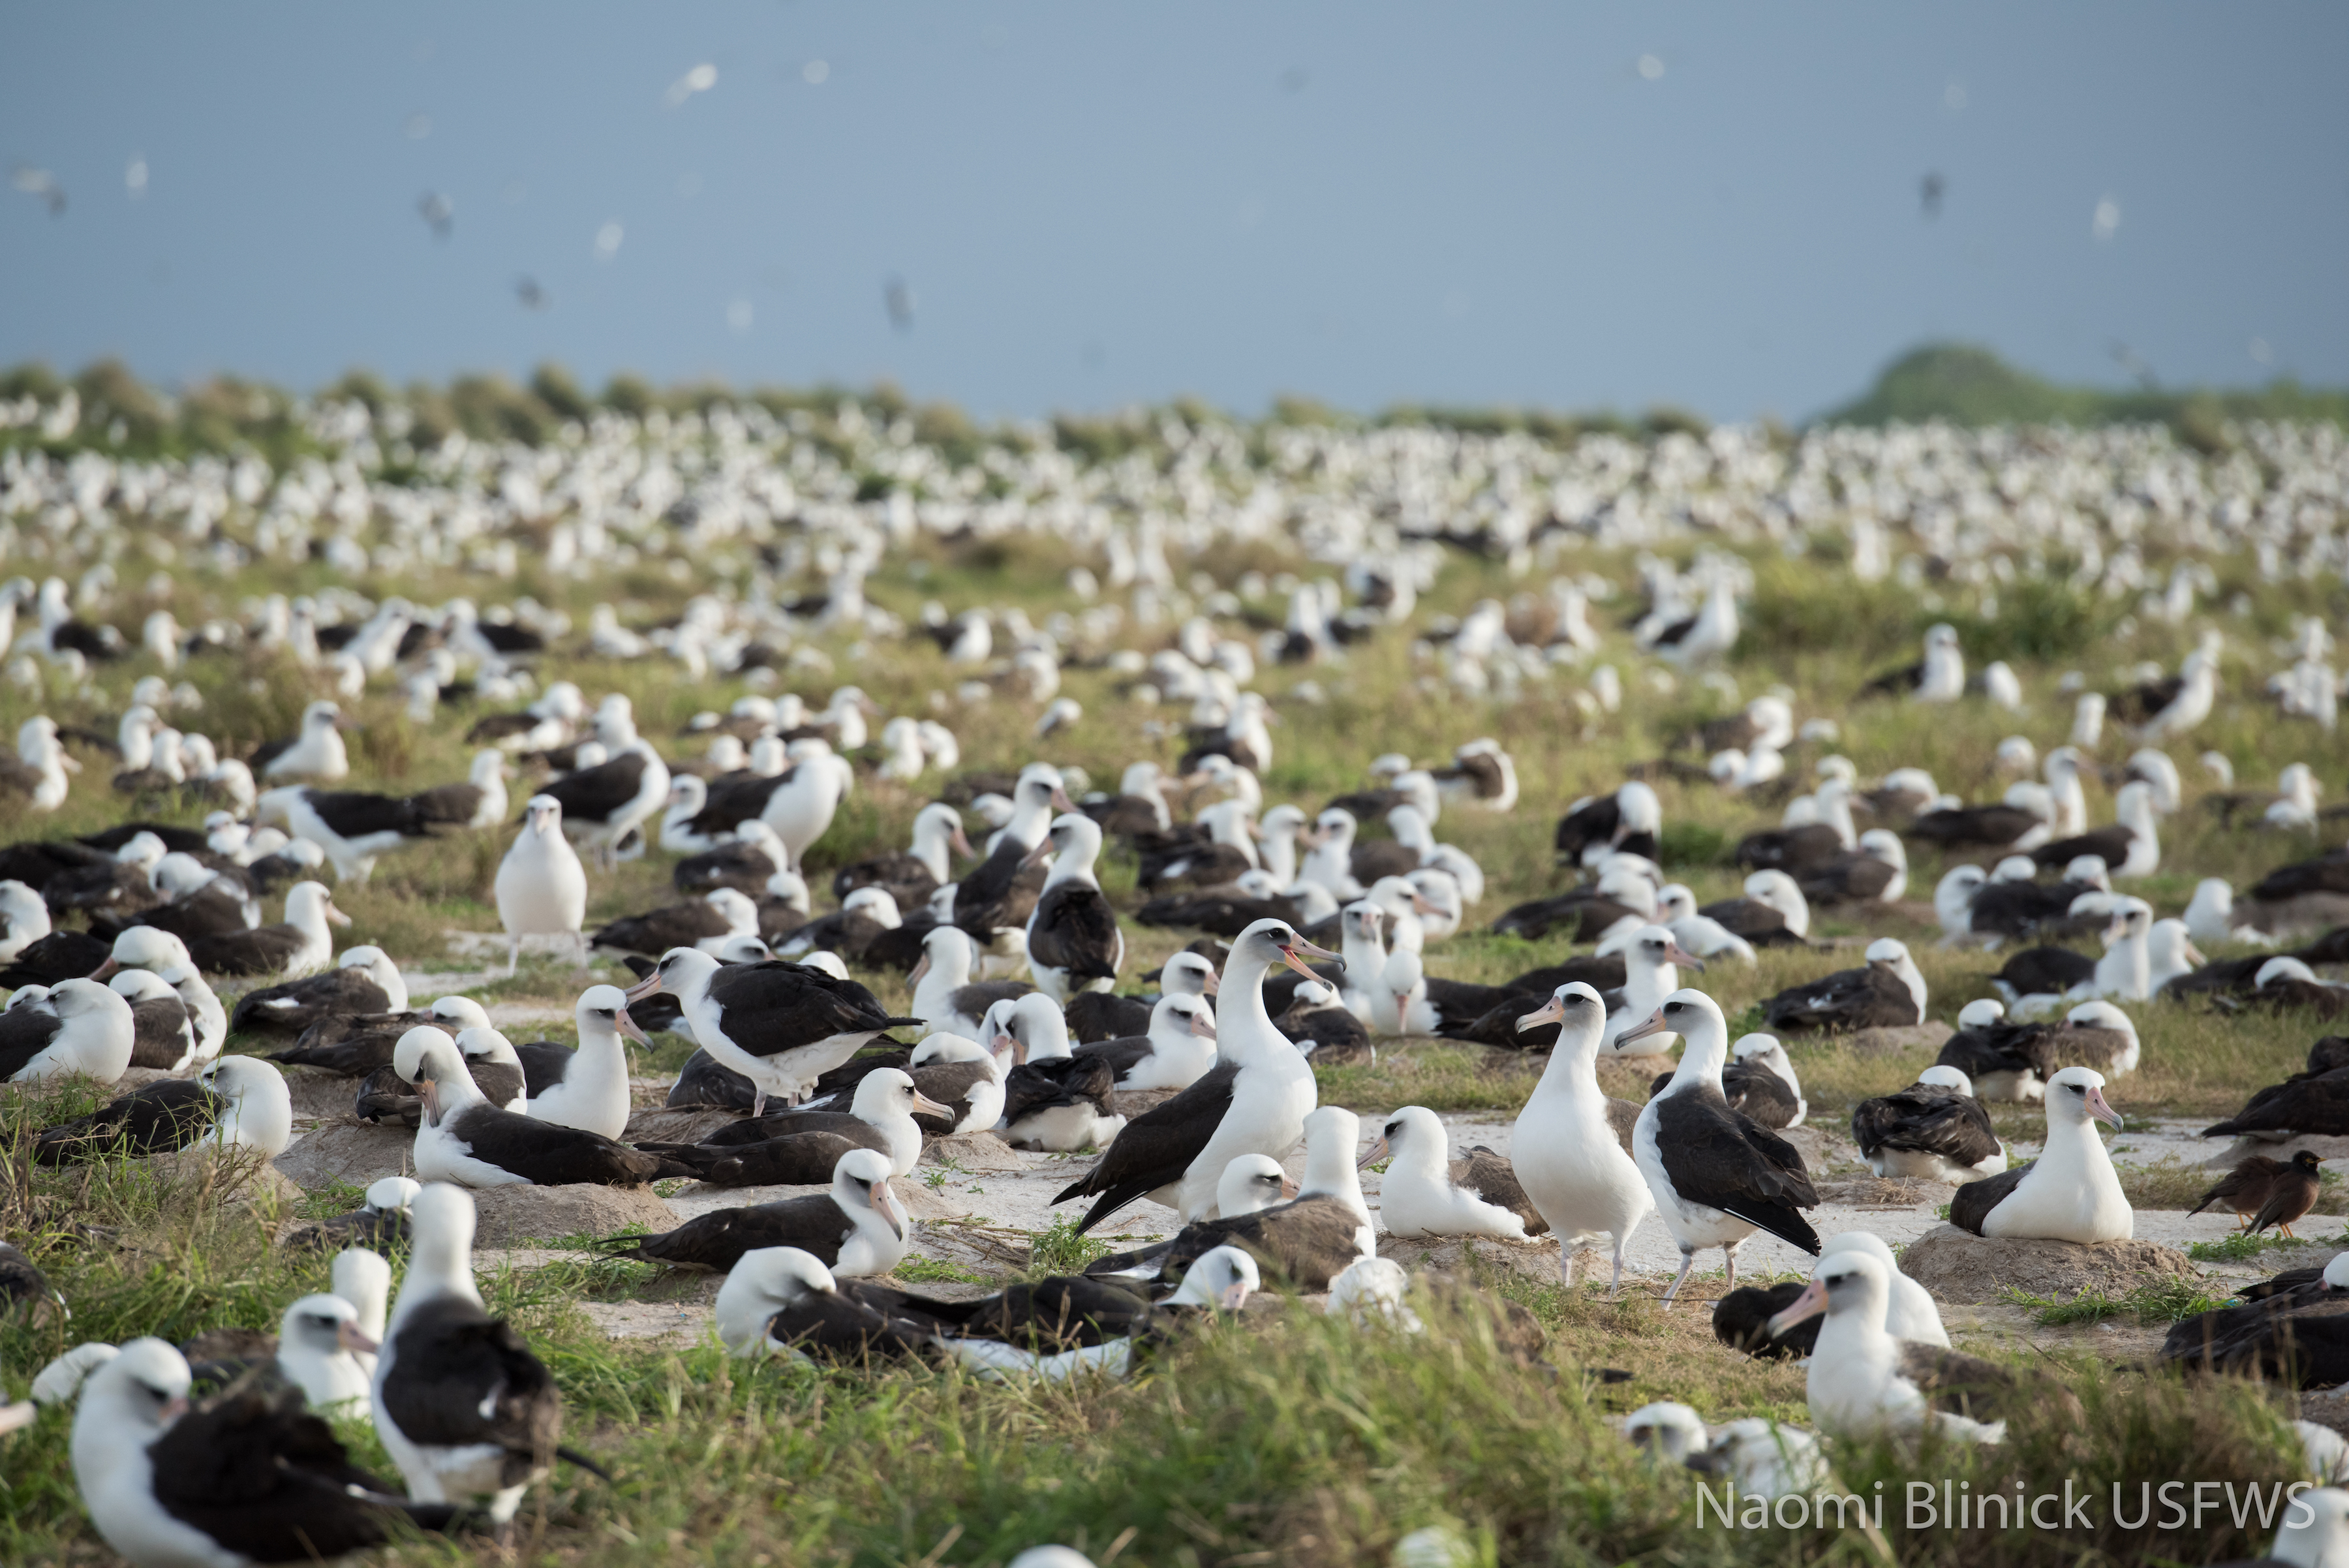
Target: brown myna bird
[2292,1195]
[2245,1188]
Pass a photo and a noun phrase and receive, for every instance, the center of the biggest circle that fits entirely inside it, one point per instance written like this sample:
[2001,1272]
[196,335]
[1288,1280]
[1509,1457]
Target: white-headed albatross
[2070,1193]
[1865,1384]
[1254,1102]
[80,1026]
[247,1475]
[590,1085]
[1570,1155]
[858,1229]
[465,1410]
[1073,941]
[1420,1194]
[783,1025]
[1717,1176]
[464,1138]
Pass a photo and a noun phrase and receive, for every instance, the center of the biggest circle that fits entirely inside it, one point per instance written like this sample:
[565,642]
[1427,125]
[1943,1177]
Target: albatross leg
[1616,1290]
[1688,1261]
[1729,1263]
[514,955]
[1566,1246]
[758,1105]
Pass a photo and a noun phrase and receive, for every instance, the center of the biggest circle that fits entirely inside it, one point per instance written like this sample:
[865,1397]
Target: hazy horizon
[1028,208]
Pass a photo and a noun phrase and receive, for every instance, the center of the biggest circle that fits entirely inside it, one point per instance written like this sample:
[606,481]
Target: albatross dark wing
[1075,929]
[1975,1200]
[1155,1147]
[461,1377]
[1927,1119]
[25,1034]
[266,1479]
[593,794]
[1723,1160]
[717,1240]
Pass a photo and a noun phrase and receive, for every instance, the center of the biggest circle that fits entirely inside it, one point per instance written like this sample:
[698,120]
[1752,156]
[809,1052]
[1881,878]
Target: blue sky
[1087,204]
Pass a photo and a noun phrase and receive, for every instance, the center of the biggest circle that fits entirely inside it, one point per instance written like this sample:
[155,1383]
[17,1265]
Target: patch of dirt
[514,1214]
[320,1096]
[1958,1266]
[978,1153]
[661,1126]
[1885,1192]
[1903,1039]
[351,1150]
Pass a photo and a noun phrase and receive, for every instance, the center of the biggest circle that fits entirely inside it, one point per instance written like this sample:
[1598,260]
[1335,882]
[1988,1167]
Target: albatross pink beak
[1042,851]
[1681,955]
[631,1028]
[2101,1109]
[1652,1024]
[1060,801]
[930,1108]
[336,915]
[1294,959]
[960,843]
[1213,984]
[648,986]
[351,1336]
[885,1203]
[1809,1304]
[1372,1156]
[1235,1295]
[1550,1012]
[1203,1024]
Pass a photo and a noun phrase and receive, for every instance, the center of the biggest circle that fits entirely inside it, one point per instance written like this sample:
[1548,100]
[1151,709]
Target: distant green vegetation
[1954,383]
[1965,385]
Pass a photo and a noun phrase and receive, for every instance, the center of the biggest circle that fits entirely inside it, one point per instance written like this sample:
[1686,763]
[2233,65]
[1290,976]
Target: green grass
[2166,1300]
[1061,1249]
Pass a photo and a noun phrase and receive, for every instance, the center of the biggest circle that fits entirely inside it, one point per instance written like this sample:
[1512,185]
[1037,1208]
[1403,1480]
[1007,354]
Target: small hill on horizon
[1966,384]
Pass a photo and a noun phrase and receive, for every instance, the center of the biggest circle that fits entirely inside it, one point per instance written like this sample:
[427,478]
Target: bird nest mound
[1958,1266]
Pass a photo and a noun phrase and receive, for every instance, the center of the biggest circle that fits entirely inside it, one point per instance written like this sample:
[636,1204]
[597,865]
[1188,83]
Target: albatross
[1571,1154]
[1073,941]
[1255,1102]
[462,1406]
[783,1025]
[1716,1176]
[247,1475]
[2070,1193]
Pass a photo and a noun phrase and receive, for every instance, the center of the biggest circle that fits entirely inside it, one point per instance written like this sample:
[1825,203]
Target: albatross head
[145,1386]
[2077,1094]
[680,972]
[1575,1007]
[543,816]
[1223,1277]
[1694,1016]
[1843,1282]
[861,1181]
[322,1326]
[765,1282]
[1670,1431]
